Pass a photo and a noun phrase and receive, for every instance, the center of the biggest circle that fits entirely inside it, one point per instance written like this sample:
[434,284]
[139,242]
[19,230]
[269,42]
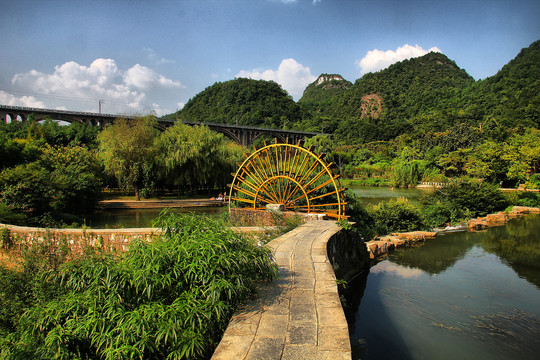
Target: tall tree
[127,149]
[194,155]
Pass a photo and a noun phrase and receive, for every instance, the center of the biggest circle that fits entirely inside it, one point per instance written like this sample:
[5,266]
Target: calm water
[464,295]
[373,195]
[134,218]
[127,218]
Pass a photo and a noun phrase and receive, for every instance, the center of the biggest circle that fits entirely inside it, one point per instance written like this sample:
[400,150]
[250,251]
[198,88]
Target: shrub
[440,213]
[363,221]
[170,298]
[533,182]
[395,215]
[527,198]
[469,198]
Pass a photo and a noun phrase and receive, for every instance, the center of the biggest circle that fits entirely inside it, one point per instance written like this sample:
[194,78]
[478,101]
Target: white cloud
[404,272]
[158,60]
[144,78]
[376,59]
[123,91]
[291,75]
[27,101]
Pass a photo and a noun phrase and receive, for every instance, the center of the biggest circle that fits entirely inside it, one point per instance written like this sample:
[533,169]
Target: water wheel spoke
[291,175]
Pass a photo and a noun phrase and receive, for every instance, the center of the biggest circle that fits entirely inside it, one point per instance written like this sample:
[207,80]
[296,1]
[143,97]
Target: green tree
[523,154]
[64,180]
[487,162]
[195,155]
[127,150]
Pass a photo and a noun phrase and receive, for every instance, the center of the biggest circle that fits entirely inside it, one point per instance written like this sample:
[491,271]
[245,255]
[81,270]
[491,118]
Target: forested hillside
[512,96]
[423,119]
[243,102]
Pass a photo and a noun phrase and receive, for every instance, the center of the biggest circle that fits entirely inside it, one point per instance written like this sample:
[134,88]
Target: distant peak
[328,77]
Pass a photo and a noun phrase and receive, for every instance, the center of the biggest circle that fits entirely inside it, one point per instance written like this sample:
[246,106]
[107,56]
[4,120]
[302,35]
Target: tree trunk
[137,196]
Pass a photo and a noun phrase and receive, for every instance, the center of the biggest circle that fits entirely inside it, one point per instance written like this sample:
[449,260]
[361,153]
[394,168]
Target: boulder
[275,207]
[477,224]
[500,218]
[415,236]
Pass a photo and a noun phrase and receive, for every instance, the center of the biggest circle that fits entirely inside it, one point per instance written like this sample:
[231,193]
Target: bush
[527,198]
[533,182]
[469,198]
[395,215]
[363,221]
[170,298]
[440,214]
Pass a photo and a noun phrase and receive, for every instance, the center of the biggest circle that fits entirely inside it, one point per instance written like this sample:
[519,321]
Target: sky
[152,56]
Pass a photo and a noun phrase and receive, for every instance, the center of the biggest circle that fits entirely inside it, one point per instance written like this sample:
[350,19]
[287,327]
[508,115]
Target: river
[462,295]
[137,218]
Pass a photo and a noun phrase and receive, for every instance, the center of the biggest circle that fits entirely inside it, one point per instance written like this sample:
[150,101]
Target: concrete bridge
[244,135]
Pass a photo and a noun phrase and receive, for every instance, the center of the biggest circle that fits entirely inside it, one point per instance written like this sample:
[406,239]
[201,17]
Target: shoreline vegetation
[179,290]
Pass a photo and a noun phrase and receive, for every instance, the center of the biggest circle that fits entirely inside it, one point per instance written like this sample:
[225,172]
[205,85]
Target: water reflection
[462,295]
[137,218]
[373,195]
[436,255]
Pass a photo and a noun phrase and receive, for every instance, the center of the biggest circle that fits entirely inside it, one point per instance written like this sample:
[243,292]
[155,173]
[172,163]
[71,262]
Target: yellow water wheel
[283,173]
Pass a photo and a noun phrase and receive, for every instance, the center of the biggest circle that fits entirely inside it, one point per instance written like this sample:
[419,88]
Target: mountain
[424,95]
[244,102]
[512,96]
[381,105]
[319,93]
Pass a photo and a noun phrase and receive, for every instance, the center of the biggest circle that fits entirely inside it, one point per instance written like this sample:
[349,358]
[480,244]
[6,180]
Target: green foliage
[466,198]
[63,180]
[362,219]
[6,242]
[194,155]
[320,93]
[244,102]
[533,182]
[170,298]
[525,198]
[128,152]
[9,214]
[395,215]
[441,213]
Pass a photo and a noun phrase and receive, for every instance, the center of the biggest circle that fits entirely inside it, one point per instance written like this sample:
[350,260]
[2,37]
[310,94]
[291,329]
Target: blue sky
[153,56]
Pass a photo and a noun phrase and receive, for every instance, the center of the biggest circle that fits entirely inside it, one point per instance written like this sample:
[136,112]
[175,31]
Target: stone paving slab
[299,315]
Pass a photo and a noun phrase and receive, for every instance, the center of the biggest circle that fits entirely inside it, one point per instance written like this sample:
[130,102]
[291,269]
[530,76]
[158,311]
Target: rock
[393,241]
[500,218]
[372,249]
[382,249]
[275,207]
[415,236]
[477,224]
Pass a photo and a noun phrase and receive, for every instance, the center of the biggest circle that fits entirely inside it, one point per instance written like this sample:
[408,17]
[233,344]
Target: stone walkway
[299,315]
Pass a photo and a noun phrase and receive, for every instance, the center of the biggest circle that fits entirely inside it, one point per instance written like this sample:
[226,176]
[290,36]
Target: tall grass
[168,299]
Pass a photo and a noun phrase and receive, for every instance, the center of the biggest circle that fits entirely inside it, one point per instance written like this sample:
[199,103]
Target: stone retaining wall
[252,217]
[115,240]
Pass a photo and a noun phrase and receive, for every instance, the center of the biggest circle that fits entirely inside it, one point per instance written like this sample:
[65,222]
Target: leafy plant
[170,298]
[395,215]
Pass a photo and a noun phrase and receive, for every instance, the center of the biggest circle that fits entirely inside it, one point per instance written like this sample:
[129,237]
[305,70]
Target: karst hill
[428,93]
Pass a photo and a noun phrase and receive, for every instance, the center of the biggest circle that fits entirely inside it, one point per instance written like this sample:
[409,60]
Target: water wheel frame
[295,173]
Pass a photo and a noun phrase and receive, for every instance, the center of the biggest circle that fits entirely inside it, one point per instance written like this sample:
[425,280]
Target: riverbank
[157,204]
[380,246]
